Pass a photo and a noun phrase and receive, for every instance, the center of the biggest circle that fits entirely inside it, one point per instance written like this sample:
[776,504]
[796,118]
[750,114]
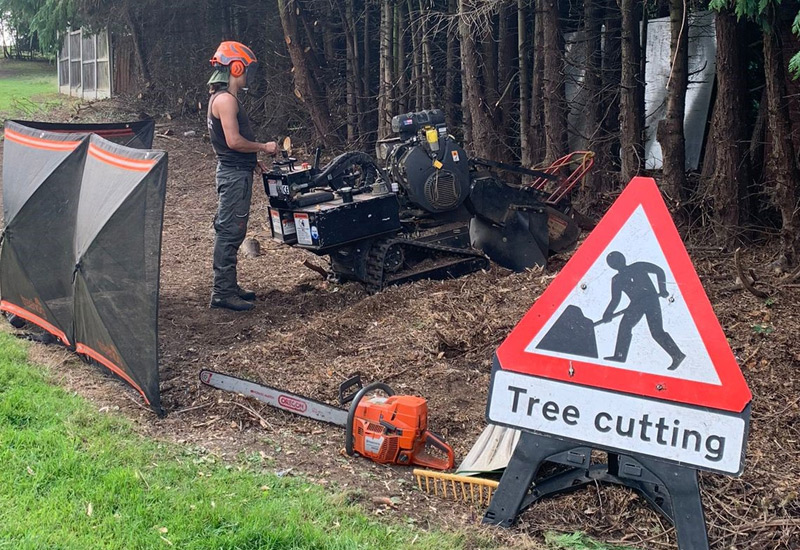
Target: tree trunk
[348,24]
[523,59]
[781,167]
[402,17]
[312,51]
[643,59]
[537,134]
[506,70]
[366,71]
[488,61]
[430,95]
[138,45]
[356,76]
[555,113]
[631,115]
[223,14]
[593,24]
[483,143]
[306,88]
[612,76]
[453,69]
[728,184]
[329,39]
[416,52]
[385,103]
[670,129]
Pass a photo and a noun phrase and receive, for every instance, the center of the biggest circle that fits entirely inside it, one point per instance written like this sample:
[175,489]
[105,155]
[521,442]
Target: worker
[634,280]
[237,158]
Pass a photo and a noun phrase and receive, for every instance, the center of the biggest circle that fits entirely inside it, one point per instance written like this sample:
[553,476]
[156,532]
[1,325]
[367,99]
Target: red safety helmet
[238,58]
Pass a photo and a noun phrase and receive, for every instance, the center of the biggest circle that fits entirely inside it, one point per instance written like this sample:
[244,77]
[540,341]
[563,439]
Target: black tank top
[226,155]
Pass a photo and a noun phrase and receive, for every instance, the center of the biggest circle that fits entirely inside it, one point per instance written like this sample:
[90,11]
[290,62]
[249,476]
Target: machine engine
[430,168]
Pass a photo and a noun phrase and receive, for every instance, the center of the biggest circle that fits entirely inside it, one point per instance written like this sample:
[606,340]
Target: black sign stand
[671,489]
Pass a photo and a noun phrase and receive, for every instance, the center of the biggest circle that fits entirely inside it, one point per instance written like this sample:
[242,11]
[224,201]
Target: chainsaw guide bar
[280,399]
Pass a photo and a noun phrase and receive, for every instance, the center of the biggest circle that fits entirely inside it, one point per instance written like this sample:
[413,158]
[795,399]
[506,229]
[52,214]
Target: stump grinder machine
[426,210]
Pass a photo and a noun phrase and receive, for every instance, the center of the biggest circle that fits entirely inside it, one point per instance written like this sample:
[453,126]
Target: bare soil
[433,339]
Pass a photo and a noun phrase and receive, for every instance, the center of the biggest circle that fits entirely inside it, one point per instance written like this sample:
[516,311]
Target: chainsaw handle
[351,414]
[345,388]
[430,461]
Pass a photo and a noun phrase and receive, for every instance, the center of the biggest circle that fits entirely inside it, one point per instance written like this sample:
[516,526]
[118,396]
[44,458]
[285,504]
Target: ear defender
[237,68]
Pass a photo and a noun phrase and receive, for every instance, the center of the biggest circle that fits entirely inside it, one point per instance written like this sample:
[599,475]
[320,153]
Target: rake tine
[476,486]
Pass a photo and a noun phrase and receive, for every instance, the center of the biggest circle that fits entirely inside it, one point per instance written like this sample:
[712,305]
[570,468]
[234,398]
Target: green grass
[71,477]
[577,541]
[27,88]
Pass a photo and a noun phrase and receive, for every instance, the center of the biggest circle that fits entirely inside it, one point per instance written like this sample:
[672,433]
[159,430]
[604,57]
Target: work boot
[676,361]
[248,295]
[232,302]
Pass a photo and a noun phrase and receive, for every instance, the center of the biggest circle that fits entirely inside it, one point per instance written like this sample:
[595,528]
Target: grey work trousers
[234,190]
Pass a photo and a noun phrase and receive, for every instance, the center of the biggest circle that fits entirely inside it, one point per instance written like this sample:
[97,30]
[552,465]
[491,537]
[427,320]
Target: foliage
[76,478]
[757,11]
[44,18]
[52,18]
[794,62]
[577,541]
[762,329]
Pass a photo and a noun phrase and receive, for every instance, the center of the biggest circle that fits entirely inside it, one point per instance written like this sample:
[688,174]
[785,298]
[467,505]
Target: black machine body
[424,209]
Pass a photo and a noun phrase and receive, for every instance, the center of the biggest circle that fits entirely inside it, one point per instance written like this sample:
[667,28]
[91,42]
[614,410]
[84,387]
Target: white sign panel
[706,439]
[651,331]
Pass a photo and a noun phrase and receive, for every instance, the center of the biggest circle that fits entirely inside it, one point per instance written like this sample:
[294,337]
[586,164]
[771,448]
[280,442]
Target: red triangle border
[732,395]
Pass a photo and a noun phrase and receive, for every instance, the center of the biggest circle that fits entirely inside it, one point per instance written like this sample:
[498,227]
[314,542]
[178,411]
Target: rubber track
[377,256]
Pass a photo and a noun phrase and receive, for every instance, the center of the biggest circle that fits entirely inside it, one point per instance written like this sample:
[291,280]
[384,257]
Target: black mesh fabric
[81,246]
[138,134]
[41,182]
[117,251]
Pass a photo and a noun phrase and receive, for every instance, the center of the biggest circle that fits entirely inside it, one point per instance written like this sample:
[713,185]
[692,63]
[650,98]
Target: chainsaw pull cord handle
[351,414]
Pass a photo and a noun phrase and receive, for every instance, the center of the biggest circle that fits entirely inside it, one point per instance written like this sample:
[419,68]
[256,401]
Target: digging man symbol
[634,281]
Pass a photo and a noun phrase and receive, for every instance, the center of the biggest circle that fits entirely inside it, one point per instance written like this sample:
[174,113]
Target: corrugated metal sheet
[702,70]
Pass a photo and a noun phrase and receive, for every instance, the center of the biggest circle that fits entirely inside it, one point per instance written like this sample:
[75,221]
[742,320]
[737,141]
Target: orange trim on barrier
[86,350]
[137,165]
[35,319]
[40,143]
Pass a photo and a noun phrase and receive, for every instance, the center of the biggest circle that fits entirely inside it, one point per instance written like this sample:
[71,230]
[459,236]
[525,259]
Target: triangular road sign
[628,313]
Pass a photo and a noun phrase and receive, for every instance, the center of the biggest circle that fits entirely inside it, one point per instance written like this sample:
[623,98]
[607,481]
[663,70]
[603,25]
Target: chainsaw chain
[376,258]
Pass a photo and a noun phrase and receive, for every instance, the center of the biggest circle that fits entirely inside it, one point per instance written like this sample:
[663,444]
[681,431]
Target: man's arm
[616,294]
[226,108]
[662,278]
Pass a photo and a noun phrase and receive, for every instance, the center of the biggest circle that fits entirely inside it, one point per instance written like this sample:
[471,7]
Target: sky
[5,36]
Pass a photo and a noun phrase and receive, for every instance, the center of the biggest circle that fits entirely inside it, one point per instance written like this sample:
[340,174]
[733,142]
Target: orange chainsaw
[391,429]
